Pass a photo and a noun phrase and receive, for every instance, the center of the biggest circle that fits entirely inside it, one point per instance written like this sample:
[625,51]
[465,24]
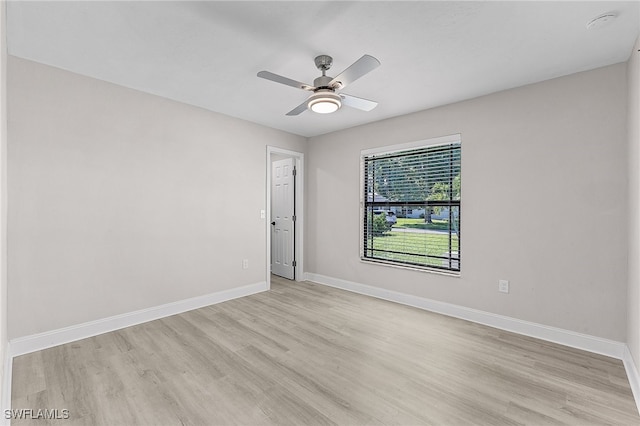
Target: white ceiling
[207,53]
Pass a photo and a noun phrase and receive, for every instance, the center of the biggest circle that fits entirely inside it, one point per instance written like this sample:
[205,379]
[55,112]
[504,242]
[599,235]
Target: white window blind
[412,207]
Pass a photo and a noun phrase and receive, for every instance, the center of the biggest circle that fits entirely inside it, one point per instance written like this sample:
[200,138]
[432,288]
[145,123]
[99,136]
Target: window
[411,204]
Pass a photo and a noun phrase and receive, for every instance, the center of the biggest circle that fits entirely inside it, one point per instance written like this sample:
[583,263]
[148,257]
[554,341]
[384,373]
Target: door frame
[299,209]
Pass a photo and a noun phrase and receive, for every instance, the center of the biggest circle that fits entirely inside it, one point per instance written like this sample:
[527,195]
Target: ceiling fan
[324,99]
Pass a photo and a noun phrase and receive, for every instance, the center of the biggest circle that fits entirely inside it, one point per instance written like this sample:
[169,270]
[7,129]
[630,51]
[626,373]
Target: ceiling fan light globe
[325,106]
[324,103]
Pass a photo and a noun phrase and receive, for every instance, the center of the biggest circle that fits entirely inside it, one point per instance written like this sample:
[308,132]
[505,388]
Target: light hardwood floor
[308,354]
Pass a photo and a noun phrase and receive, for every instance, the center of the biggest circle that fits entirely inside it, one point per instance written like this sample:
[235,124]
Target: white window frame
[431,142]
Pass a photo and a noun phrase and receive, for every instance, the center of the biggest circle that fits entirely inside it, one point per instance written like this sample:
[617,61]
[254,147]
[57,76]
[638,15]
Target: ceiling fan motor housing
[322,82]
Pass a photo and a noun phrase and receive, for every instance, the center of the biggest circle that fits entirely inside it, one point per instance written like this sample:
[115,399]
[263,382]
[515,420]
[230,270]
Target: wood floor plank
[308,354]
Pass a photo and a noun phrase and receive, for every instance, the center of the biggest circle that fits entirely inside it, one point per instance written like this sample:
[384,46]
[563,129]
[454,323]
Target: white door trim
[299,225]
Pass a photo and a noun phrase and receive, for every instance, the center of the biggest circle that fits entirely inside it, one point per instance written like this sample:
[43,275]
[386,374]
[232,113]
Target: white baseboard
[573,339]
[5,401]
[632,375]
[36,342]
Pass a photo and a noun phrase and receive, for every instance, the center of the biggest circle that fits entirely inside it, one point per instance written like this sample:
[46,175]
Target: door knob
[273,223]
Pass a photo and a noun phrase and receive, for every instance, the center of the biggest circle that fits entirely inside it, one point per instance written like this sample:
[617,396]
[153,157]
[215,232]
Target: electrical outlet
[245,263]
[503,286]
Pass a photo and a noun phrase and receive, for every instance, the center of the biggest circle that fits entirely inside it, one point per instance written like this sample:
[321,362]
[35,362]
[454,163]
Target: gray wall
[633,305]
[121,200]
[544,186]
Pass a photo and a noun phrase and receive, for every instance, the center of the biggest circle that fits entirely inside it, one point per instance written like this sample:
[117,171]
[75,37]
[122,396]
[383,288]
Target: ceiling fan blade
[359,103]
[359,68]
[284,80]
[299,109]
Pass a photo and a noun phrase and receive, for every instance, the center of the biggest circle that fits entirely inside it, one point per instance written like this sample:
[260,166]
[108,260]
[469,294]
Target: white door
[282,217]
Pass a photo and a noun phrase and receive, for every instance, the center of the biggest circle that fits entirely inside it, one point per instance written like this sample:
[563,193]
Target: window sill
[454,274]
